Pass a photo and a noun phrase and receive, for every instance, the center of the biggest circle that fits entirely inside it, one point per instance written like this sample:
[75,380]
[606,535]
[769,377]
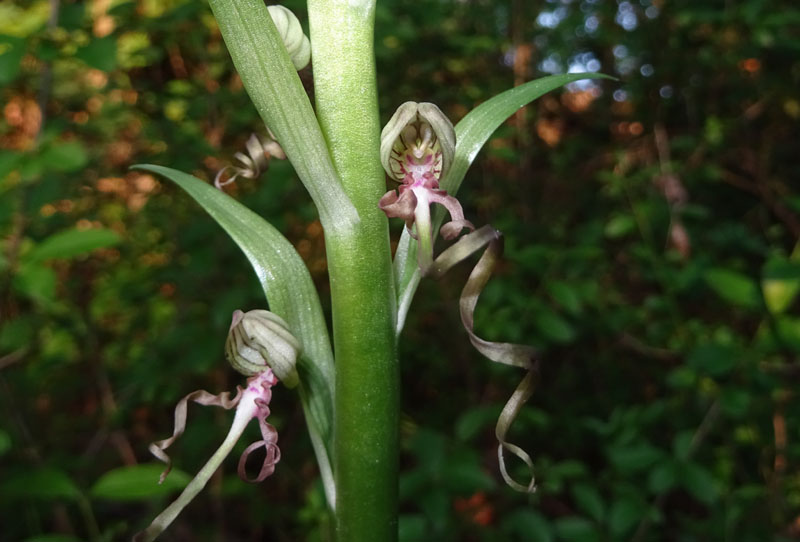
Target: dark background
[651,228]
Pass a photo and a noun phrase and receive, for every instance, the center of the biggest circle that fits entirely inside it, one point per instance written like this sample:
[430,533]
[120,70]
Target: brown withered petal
[271,457]
[201,397]
[517,355]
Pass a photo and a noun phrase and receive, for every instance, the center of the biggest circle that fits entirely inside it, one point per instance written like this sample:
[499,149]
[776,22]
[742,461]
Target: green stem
[362,285]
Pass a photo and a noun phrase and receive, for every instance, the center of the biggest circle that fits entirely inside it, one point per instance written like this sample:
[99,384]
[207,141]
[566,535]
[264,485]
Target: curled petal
[517,355]
[401,206]
[259,150]
[201,397]
[272,455]
[457,222]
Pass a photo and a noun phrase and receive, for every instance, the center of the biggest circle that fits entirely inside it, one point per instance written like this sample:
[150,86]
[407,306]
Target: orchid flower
[417,147]
[258,343]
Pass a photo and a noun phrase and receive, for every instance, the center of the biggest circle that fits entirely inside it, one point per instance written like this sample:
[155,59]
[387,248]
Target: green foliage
[668,360]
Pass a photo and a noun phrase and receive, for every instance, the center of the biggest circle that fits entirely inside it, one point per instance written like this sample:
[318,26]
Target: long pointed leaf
[291,295]
[472,132]
[275,89]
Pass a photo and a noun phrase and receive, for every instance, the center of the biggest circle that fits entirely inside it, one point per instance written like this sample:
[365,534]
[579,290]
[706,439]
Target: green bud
[291,32]
[259,340]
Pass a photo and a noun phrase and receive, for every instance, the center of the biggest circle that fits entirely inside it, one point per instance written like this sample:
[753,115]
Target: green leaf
[663,477]
[474,420]
[553,326]
[698,481]
[274,87]
[67,156]
[588,500]
[635,457]
[527,525]
[100,53]
[625,513]
[12,49]
[575,529]
[71,243]
[41,483]
[36,281]
[565,295]
[734,287]
[780,283]
[5,442]
[478,125]
[137,483]
[412,528]
[291,295]
[713,359]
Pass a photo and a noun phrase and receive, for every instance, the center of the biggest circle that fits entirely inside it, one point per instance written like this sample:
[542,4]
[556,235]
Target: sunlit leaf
[780,282]
[100,53]
[734,287]
[138,482]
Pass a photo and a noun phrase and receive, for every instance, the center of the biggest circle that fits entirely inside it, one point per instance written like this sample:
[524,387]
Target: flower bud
[291,32]
[259,340]
[417,135]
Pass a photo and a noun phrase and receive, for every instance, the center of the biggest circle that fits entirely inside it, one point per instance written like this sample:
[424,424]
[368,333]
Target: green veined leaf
[291,295]
[138,482]
[274,87]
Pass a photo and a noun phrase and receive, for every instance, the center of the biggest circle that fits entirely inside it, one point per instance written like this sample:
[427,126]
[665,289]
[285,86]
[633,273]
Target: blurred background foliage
[651,232]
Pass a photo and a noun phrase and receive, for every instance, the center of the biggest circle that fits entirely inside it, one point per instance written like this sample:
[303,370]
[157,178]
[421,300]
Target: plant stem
[362,285]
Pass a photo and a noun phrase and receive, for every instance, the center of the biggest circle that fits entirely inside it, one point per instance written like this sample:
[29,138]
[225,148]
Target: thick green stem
[362,286]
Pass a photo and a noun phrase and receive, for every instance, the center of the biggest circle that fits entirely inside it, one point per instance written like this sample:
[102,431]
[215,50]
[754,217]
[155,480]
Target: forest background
[651,230]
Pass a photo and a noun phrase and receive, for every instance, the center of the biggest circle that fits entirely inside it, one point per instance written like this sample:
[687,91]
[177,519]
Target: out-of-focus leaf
[12,49]
[619,226]
[5,442]
[589,501]
[713,359]
[41,483]
[525,524]
[411,528]
[138,482]
[553,326]
[780,282]
[66,156]
[71,243]
[733,287]
[474,420]
[635,457]
[699,482]
[37,282]
[576,529]
[100,53]
[565,295]
[625,513]
[663,477]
